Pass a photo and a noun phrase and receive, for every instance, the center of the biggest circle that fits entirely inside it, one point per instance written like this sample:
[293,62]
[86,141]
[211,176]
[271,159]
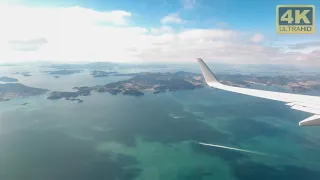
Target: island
[157,83]
[3,99]
[138,85]
[75,99]
[81,91]
[106,65]
[8,79]
[299,83]
[25,74]
[63,72]
[13,90]
[94,65]
[97,73]
[133,92]
[60,94]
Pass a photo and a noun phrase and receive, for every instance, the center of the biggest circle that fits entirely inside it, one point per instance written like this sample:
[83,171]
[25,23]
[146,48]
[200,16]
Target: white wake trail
[259,153]
[236,149]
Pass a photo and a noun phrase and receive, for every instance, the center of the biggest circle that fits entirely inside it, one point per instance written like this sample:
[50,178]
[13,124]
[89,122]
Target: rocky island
[97,73]
[13,90]
[156,83]
[94,65]
[133,92]
[63,72]
[148,82]
[8,79]
[75,99]
[3,99]
[25,74]
[60,94]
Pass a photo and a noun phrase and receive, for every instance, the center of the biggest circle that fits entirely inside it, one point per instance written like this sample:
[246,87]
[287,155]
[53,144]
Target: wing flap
[308,109]
[311,121]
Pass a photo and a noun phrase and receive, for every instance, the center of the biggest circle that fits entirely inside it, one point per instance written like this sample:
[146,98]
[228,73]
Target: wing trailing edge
[311,121]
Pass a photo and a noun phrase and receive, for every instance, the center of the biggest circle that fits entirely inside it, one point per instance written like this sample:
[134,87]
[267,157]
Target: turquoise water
[152,137]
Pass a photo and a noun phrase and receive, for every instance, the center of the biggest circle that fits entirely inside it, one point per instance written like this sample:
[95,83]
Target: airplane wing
[306,103]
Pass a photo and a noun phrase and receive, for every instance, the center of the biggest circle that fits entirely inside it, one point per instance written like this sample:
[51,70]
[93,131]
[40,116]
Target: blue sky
[249,19]
[246,14]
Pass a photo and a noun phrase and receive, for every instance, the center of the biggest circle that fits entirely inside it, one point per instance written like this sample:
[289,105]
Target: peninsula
[8,79]
[97,73]
[13,90]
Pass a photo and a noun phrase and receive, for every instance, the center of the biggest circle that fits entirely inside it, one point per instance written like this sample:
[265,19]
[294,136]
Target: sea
[197,134]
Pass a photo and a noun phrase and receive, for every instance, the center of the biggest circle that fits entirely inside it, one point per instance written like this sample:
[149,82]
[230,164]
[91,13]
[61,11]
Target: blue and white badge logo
[295,19]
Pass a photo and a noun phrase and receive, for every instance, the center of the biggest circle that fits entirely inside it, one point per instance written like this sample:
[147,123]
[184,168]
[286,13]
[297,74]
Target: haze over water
[153,136]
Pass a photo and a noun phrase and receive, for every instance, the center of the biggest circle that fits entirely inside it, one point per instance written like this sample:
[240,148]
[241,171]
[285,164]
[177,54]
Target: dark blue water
[153,137]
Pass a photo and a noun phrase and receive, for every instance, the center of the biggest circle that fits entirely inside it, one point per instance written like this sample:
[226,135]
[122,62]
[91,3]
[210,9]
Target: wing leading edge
[310,104]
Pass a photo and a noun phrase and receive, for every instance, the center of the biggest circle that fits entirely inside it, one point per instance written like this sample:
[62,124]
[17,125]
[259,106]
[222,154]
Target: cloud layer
[75,34]
[172,19]
[189,4]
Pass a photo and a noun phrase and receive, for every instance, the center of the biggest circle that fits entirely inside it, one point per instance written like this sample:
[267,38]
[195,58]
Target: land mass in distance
[164,82]
[8,79]
[156,83]
[13,90]
[63,72]
[135,86]
[97,73]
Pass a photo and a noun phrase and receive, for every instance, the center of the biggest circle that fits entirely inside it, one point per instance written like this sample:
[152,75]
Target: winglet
[207,74]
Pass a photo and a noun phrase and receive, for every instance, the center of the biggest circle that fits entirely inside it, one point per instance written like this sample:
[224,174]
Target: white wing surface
[310,104]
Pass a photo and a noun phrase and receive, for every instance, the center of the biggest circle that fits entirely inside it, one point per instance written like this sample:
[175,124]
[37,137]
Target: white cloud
[258,37]
[208,34]
[79,34]
[162,30]
[72,33]
[305,45]
[172,18]
[189,4]
[29,45]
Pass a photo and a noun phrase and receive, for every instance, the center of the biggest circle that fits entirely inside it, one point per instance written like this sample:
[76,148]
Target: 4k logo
[295,19]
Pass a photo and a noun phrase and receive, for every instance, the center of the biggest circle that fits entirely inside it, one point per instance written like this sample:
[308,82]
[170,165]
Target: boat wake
[236,149]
